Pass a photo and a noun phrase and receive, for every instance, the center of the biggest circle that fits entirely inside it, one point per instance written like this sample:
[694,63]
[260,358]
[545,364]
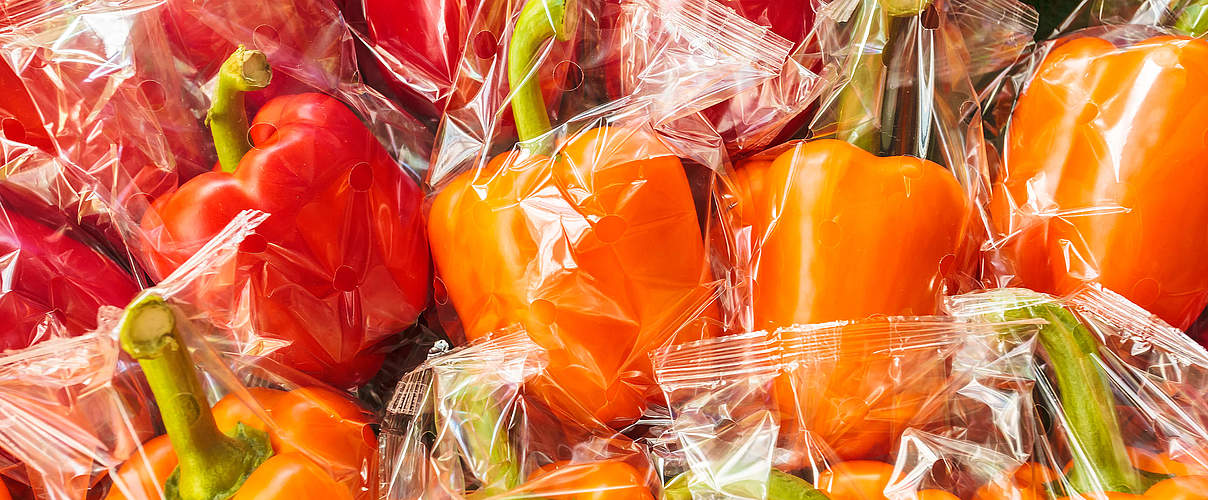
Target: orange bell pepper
[842,230]
[842,234]
[1109,140]
[319,448]
[867,480]
[597,251]
[603,480]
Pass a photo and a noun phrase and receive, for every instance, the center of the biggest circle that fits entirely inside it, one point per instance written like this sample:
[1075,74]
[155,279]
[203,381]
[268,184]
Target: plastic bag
[1120,390]
[341,267]
[1083,180]
[110,126]
[310,438]
[757,117]
[588,234]
[71,411]
[462,425]
[413,48]
[74,408]
[53,284]
[875,213]
[882,408]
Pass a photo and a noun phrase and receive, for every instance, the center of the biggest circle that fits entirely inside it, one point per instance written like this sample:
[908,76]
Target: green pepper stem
[212,464]
[1087,411]
[483,431]
[1194,19]
[860,100]
[539,20]
[244,71]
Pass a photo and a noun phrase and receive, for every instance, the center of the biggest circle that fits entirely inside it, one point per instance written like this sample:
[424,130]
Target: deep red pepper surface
[342,261]
[426,36]
[48,274]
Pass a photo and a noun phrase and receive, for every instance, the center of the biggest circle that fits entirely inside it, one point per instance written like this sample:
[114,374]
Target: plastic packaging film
[890,408]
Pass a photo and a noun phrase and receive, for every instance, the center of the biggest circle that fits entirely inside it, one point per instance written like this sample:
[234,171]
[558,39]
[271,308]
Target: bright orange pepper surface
[1113,140]
[598,253]
[603,480]
[840,234]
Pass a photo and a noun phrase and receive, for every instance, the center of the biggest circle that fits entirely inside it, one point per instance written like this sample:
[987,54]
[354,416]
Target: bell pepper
[756,117]
[342,262]
[842,231]
[426,39]
[50,275]
[596,251]
[319,446]
[843,234]
[1103,168]
[600,480]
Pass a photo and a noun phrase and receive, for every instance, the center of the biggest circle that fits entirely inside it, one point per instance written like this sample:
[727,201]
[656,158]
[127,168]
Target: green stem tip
[539,20]
[244,71]
[213,465]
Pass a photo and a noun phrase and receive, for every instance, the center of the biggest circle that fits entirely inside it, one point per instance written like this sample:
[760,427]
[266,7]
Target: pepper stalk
[213,465]
[539,20]
[1087,405]
[244,71]
[865,112]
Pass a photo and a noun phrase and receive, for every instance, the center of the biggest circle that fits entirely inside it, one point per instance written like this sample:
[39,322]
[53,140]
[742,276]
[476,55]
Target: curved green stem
[539,20]
[244,71]
[213,465]
[1084,403]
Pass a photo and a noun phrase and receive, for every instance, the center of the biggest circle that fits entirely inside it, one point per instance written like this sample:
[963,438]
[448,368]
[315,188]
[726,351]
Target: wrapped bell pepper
[1125,422]
[342,262]
[882,408]
[422,41]
[54,284]
[461,426]
[873,216]
[315,442]
[1087,194]
[755,118]
[826,213]
[596,249]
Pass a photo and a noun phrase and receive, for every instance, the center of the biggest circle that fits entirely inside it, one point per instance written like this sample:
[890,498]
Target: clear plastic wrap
[1101,160]
[587,232]
[757,117]
[121,91]
[53,283]
[881,408]
[1120,395]
[414,48]
[462,425]
[341,267]
[874,213]
[80,418]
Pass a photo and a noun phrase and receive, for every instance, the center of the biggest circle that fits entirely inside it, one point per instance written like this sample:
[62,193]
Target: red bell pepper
[426,37]
[343,262]
[48,274]
[744,120]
